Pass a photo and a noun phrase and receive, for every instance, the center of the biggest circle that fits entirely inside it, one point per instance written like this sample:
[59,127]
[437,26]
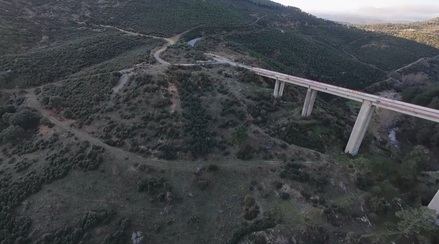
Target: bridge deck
[381,102]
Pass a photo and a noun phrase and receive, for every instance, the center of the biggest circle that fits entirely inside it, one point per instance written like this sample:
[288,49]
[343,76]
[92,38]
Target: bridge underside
[361,125]
[369,103]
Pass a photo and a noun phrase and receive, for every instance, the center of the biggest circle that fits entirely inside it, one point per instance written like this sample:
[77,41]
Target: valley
[115,129]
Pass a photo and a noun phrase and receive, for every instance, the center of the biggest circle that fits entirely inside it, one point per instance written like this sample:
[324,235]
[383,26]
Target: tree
[12,134]
[412,165]
[416,221]
[240,135]
[25,119]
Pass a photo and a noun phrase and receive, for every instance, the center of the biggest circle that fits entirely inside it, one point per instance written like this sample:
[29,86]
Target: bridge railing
[369,102]
[377,101]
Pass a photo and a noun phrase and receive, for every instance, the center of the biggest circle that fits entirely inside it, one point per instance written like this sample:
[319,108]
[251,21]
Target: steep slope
[173,152]
[331,52]
[283,38]
[100,142]
[416,83]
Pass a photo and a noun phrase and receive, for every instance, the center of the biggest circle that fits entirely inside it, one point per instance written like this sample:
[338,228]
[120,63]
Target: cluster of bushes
[30,146]
[16,124]
[265,106]
[304,174]
[402,175]
[245,152]
[395,191]
[115,133]
[411,225]
[54,63]
[240,135]
[250,208]
[422,95]
[323,134]
[393,198]
[24,164]
[200,139]
[17,35]
[120,234]
[422,32]
[247,76]
[387,52]
[150,17]
[77,233]
[417,131]
[159,189]
[301,54]
[329,52]
[60,160]
[232,109]
[79,98]
[147,124]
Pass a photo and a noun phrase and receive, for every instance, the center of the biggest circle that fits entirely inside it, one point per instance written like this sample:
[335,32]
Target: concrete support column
[279,89]
[360,128]
[434,204]
[309,102]
[276,89]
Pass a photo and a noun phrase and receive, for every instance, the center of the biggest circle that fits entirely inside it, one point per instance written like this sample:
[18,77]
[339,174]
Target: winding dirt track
[121,156]
[169,41]
[118,154]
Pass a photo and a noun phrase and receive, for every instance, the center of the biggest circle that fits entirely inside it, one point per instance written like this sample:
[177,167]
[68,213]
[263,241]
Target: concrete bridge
[369,101]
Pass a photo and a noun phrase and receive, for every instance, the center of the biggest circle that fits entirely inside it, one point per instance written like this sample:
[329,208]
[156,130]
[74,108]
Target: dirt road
[169,41]
[121,156]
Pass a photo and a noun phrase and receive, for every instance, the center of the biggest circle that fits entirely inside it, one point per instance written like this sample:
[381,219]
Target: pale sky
[405,10]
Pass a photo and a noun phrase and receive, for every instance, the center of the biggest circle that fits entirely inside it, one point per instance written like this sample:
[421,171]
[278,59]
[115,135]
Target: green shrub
[200,138]
[245,152]
[46,65]
[25,119]
[168,152]
[416,221]
[240,135]
[13,134]
[411,167]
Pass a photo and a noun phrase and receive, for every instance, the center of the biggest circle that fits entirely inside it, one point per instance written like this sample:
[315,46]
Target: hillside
[116,126]
[423,32]
[416,83]
[283,38]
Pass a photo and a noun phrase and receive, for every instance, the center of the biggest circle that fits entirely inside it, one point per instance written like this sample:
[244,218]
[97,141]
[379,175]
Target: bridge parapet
[377,101]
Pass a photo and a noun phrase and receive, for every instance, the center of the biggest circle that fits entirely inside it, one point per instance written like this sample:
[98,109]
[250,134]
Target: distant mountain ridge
[426,32]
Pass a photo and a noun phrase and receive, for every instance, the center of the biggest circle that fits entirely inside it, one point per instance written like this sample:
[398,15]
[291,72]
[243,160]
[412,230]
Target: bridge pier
[434,204]
[360,128]
[279,89]
[309,102]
